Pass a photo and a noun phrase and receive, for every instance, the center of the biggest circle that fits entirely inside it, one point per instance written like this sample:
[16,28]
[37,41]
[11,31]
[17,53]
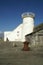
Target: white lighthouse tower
[28,24]
[23,29]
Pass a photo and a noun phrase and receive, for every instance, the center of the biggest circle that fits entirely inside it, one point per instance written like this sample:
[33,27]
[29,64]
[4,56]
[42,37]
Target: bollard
[26,46]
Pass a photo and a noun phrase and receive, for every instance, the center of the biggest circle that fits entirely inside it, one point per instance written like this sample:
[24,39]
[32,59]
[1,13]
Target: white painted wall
[6,34]
[28,25]
[23,29]
[14,35]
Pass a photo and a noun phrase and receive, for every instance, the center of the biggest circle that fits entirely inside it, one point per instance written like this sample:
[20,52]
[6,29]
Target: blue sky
[11,10]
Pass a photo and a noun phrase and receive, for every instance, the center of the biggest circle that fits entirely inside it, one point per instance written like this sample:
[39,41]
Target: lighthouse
[28,24]
[26,27]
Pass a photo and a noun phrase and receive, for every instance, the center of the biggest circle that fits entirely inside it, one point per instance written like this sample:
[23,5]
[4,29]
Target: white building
[23,29]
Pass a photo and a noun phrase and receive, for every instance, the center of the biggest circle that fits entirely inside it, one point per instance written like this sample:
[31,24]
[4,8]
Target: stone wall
[35,39]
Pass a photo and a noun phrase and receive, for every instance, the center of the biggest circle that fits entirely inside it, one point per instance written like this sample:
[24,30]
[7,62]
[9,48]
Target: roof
[36,29]
[28,14]
[39,27]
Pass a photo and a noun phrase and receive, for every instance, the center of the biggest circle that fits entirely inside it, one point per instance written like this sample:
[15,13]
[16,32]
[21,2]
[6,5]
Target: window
[17,31]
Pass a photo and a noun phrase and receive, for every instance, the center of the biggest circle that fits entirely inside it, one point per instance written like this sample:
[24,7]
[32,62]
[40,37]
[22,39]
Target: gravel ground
[15,56]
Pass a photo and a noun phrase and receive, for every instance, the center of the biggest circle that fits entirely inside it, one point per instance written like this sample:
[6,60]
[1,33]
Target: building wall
[36,39]
[14,35]
[23,29]
[6,34]
[28,25]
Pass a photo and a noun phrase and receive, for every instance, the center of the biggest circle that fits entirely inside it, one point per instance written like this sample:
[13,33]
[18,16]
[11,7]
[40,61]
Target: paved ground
[15,56]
